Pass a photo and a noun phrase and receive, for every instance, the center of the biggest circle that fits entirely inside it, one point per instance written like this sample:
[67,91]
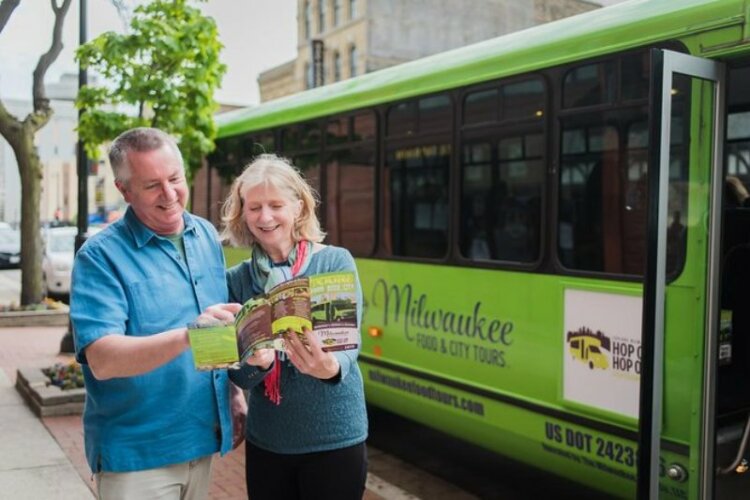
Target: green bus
[581,181]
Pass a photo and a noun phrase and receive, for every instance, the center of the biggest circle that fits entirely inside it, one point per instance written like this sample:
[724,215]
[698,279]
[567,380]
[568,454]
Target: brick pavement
[37,347]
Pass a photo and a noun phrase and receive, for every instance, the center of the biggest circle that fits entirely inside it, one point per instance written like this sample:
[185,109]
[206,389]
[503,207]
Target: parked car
[10,247]
[57,262]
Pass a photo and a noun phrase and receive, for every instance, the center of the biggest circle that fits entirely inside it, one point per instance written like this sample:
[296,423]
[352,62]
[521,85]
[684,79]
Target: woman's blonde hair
[270,170]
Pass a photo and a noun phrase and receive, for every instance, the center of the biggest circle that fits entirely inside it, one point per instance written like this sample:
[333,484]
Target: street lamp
[66,344]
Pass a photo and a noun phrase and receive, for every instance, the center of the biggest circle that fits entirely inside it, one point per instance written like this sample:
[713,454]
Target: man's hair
[141,140]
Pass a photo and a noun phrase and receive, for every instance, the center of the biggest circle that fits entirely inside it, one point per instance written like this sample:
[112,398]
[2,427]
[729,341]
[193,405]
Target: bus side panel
[482,354]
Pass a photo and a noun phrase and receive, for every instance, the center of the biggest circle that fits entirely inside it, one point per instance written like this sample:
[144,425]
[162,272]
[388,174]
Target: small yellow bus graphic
[589,348]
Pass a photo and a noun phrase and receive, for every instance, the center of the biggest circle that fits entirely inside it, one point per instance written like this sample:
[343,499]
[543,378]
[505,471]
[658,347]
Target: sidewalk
[32,463]
[44,458]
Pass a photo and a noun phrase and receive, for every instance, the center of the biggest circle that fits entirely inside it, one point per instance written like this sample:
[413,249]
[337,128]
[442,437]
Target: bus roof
[618,27]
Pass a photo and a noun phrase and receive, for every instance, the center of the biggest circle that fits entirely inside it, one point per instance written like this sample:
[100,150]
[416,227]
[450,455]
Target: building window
[321,16]
[352,9]
[309,76]
[336,66]
[308,17]
[336,12]
[352,61]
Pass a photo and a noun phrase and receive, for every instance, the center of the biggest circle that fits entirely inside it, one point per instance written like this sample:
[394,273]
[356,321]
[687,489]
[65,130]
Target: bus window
[589,85]
[300,137]
[264,143]
[337,131]
[589,179]
[301,143]
[523,100]
[226,157]
[254,145]
[310,136]
[402,119]
[350,199]
[502,173]
[365,126]
[290,139]
[603,190]
[309,165]
[417,213]
[635,76]
[476,196]
[501,195]
[481,107]
[435,114]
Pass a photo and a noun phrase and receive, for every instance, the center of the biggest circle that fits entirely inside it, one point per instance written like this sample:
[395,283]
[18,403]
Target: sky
[257,35]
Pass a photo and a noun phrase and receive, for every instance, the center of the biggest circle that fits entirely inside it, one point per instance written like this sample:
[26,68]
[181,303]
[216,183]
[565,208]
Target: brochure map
[324,303]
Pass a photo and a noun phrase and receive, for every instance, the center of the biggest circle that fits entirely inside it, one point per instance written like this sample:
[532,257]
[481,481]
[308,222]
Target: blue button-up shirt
[127,280]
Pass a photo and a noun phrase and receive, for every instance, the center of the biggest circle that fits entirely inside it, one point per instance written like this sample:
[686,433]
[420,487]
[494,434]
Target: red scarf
[272,381]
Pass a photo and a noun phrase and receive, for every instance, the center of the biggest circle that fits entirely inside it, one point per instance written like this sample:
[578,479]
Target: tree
[162,74]
[20,134]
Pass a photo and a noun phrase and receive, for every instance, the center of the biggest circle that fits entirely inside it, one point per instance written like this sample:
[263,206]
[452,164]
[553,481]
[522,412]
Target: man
[151,421]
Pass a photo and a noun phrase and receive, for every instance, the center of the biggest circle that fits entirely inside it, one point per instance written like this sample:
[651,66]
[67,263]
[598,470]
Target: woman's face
[270,214]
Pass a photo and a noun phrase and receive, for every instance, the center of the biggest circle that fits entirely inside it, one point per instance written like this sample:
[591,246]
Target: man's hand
[219,313]
[310,359]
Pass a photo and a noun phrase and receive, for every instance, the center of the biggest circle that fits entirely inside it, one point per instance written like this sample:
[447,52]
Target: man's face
[156,189]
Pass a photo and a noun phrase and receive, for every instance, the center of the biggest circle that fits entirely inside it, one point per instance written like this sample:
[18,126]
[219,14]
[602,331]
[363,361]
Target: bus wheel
[591,365]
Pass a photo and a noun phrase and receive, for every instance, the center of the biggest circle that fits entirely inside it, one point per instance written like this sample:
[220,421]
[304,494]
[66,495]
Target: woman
[307,423]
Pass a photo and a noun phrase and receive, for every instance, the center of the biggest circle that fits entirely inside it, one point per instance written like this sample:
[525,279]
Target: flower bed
[65,375]
[53,391]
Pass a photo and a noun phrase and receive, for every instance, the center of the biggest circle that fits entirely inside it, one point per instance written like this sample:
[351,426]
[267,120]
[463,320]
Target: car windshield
[9,236]
[62,243]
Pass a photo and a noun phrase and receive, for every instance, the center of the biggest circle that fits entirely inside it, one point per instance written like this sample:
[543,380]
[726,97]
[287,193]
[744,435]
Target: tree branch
[6,9]
[41,103]
[10,126]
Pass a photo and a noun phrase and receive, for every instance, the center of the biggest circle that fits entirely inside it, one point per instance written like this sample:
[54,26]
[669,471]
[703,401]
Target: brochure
[324,303]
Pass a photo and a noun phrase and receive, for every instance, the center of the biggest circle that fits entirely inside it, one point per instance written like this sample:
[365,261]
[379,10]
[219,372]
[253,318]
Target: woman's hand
[310,359]
[262,358]
[219,313]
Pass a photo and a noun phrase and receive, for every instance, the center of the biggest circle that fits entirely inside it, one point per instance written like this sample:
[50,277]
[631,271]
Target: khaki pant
[186,481]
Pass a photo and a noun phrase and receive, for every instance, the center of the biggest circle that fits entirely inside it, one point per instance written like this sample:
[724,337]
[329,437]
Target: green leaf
[168,66]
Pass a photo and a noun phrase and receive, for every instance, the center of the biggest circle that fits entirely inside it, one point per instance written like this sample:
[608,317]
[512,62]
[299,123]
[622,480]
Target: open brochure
[324,303]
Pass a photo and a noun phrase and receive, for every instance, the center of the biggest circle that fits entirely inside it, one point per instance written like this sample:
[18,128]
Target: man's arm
[125,356]
[114,356]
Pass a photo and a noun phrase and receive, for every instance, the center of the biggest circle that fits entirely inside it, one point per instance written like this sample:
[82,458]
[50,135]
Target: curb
[55,317]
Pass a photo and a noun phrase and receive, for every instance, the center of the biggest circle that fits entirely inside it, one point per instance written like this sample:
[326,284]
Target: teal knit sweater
[314,415]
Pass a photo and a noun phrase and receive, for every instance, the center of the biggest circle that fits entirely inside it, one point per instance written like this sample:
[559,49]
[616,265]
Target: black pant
[330,475]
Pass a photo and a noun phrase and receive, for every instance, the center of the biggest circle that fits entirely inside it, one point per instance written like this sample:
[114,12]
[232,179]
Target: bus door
[679,80]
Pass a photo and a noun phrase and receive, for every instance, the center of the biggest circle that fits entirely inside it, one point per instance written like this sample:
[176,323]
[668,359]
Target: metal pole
[66,344]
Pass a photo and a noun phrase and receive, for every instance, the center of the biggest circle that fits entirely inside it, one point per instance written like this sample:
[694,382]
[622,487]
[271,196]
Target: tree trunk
[20,135]
[30,170]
